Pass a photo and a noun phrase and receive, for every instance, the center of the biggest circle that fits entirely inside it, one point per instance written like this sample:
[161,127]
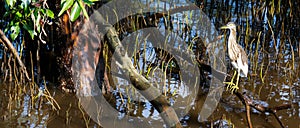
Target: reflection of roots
[134,108]
[103,75]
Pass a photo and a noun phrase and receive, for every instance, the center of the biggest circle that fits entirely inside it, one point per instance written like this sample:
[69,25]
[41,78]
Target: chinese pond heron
[237,55]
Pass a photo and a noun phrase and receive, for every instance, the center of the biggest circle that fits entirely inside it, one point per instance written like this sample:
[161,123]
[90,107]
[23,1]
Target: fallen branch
[160,102]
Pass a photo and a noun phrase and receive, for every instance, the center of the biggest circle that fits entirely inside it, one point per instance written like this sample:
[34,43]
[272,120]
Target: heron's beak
[224,27]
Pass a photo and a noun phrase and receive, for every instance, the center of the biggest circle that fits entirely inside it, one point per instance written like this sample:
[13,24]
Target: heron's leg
[230,84]
[236,86]
[238,78]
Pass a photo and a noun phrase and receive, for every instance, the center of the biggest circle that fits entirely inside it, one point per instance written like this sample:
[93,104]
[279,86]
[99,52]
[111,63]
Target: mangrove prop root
[5,41]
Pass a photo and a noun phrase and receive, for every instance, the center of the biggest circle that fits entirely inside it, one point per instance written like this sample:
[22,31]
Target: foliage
[77,6]
[30,15]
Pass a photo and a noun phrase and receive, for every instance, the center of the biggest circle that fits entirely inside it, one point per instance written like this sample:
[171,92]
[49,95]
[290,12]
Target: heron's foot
[234,88]
[231,86]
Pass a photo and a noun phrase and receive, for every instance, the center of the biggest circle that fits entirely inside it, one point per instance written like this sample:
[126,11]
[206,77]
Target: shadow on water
[270,34]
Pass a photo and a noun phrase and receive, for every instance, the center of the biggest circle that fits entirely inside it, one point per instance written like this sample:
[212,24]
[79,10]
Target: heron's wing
[242,61]
[242,66]
[244,55]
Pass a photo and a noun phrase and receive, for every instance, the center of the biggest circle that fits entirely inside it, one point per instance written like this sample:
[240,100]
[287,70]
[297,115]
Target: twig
[248,116]
[247,106]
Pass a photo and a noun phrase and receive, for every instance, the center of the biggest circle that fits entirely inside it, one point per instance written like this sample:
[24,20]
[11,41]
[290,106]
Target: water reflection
[272,44]
[16,109]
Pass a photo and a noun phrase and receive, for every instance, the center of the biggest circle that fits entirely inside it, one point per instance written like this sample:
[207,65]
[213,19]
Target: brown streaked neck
[232,35]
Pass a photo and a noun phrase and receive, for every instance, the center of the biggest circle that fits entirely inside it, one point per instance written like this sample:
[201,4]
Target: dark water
[274,76]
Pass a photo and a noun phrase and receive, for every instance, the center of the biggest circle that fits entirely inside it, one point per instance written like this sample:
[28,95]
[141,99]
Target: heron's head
[229,25]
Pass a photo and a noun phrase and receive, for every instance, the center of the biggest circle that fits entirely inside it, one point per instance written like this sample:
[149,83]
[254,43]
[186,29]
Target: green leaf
[83,9]
[93,0]
[15,30]
[5,30]
[42,10]
[25,4]
[29,28]
[18,14]
[20,7]
[12,23]
[31,33]
[26,11]
[50,13]
[66,6]
[88,2]
[62,2]
[7,14]
[75,12]
[10,3]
